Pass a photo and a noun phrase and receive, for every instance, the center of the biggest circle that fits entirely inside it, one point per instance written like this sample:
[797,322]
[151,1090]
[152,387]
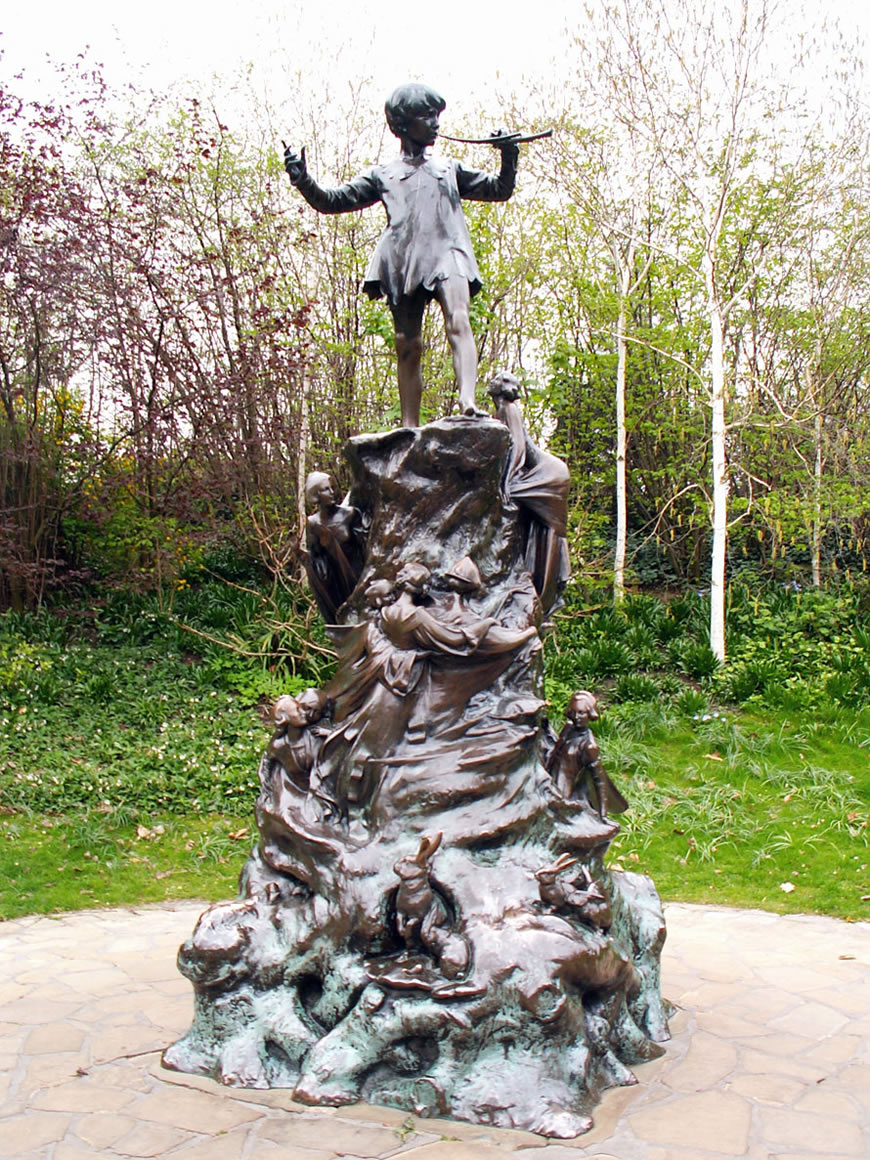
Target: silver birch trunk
[816,533]
[621,514]
[720,466]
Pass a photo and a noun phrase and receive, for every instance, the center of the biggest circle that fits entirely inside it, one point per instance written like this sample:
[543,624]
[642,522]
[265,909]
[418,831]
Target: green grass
[127,761]
[730,810]
[129,745]
[56,863]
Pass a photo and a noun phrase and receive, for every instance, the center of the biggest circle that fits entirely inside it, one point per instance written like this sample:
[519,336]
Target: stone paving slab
[770,1057]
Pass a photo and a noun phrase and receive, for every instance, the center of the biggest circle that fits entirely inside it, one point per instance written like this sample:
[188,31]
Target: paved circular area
[770,1057]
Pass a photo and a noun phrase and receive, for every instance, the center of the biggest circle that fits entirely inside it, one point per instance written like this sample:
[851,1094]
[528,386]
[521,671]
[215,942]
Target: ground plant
[130,734]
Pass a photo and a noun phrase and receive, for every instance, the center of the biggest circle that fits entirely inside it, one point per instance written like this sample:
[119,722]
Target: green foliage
[129,745]
[113,707]
[788,648]
[690,702]
[795,648]
[747,678]
[637,687]
[695,658]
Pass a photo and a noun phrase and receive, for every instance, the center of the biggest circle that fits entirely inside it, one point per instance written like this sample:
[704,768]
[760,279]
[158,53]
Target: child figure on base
[575,763]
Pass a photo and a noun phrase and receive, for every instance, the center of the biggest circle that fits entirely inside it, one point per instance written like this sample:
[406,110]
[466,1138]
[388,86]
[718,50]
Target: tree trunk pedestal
[427,921]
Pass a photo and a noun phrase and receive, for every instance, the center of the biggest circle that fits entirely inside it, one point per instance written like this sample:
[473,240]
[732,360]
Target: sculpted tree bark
[407,930]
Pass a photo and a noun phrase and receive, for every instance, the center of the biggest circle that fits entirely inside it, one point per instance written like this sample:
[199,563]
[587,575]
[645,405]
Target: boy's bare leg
[408,321]
[454,299]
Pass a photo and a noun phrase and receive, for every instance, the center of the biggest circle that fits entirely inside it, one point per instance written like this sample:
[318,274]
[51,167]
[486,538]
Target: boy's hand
[509,145]
[294,163]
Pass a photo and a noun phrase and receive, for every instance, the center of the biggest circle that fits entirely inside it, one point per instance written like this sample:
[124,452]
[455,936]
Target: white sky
[452,43]
[465,48]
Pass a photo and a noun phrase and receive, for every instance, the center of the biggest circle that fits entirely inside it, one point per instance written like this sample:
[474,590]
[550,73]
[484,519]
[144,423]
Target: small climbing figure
[575,763]
[587,903]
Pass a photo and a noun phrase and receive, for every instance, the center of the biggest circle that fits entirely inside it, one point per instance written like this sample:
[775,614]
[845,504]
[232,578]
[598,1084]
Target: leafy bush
[690,611]
[691,703]
[23,666]
[108,706]
[637,687]
[668,628]
[787,648]
[232,672]
[646,653]
[644,610]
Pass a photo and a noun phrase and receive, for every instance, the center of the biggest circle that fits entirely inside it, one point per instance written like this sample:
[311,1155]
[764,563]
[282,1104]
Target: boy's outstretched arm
[477,186]
[357,194]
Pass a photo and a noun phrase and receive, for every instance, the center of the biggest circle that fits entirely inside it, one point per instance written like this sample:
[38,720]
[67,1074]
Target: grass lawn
[128,765]
[744,810]
[54,863]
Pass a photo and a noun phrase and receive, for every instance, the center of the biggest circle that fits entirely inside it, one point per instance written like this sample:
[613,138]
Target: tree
[611,177]
[696,92]
[807,352]
[47,441]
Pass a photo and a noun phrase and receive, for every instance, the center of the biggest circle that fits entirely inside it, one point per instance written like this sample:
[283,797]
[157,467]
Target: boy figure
[425,251]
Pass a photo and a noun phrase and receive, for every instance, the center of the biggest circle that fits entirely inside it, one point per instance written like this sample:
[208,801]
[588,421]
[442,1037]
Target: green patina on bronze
[427,920]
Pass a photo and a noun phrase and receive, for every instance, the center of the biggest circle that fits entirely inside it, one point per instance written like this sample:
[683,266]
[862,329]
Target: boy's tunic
[426,238]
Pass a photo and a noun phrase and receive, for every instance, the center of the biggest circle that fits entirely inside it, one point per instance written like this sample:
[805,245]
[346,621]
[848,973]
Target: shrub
[646,652]
[695,658]
[744,679]
[637,687]
[691,703]
[644,610]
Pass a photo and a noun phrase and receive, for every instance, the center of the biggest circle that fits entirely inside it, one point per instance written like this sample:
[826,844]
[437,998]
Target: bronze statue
[414,620]
[296,741]
[539,483]
[425,251]
[428,921]
[367,656]
[588,902]
[287,795]
[335,542]
[575,763]
[422,918]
